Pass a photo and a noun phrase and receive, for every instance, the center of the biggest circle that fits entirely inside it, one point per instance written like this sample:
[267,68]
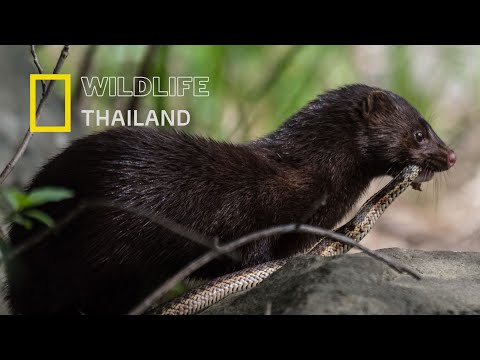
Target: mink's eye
[419,136]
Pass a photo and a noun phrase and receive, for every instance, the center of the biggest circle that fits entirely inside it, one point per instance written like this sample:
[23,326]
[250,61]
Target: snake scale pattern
[202,297]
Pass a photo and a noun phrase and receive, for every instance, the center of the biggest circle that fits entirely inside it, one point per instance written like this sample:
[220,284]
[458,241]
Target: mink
[106,260]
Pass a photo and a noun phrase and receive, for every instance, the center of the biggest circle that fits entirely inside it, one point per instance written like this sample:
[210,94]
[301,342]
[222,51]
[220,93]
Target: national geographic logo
[140,86]
[66,79]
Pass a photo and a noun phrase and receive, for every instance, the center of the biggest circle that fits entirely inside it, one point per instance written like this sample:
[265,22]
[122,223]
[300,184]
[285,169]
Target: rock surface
[358,284]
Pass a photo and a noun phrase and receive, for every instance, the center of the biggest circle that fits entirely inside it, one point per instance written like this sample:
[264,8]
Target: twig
[92,204]
[142,71]
[63,55]
[85,69]
[215,251]
[275,230]
[401,269]
[39,67]
[36,239]
[173,226]
[18,154]
[28,136]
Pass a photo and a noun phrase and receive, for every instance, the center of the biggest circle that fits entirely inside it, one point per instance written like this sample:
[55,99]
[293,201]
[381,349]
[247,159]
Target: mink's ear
[377,102]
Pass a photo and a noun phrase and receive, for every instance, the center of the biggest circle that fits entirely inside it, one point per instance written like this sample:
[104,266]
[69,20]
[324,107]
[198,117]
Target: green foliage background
[253,89]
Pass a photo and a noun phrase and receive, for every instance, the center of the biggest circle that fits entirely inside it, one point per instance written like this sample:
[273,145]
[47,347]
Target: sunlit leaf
[40,216]
[15,198]
[47,194]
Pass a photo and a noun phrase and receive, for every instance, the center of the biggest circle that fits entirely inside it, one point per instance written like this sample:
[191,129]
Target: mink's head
[398,135]
[374,128]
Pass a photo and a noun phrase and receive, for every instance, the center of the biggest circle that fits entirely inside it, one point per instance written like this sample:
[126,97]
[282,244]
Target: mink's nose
[452,158]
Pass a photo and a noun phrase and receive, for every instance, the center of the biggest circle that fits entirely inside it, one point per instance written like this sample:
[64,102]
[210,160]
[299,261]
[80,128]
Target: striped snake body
[202,297]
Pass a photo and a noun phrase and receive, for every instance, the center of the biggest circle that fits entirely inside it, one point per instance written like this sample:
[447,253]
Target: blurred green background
[253,89]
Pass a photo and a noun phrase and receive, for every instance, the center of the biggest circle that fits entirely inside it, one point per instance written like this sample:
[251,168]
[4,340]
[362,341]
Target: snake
[204,296]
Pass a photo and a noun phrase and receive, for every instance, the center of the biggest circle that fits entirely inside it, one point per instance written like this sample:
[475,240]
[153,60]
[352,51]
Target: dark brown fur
[106,260]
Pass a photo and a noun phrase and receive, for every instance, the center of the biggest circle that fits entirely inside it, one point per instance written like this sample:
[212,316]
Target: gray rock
[357,284]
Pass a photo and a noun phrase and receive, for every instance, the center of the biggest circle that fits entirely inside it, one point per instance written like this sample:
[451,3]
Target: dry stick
[192,235]
[173,226]
[310,229]
[36,239]
[142,71]
[91,204]
[189,234]
[275,230]
[85,68]
[28,136]
[39,67]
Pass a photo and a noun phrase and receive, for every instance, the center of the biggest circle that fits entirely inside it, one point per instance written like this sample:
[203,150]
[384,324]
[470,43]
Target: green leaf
[20,220]
[47,194]
[16,199]
[40,216]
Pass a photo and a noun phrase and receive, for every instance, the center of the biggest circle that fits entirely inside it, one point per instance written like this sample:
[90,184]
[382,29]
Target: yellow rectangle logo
[33,102]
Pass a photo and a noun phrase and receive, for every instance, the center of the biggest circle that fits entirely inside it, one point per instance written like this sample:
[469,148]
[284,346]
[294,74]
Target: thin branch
[173,226]
[142,71]
[92,204]
[36,239]
[275,230]
[18,154]
[28,136]
[39,67]
[401,269]
[63,55]
[215,251]
[85,68]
